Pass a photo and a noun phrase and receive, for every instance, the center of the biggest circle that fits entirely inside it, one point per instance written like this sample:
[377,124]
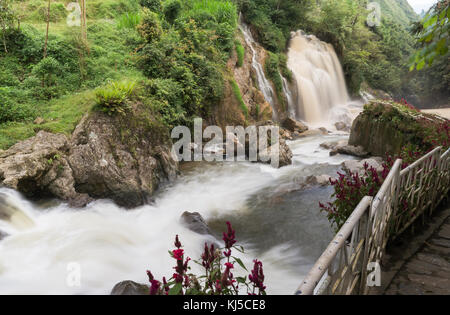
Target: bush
[218,278]
[47,69]
[11,109]
[152,5]
[172,9]
[349,189]
[150,27]
[112,98]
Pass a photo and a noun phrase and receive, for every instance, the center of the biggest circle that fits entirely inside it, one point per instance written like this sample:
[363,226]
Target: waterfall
[12,213]
[289,97]
[263,83]
[320,79]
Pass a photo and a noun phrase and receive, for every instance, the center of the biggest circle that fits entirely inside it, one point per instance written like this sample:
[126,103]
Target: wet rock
[350,150]
[321,180]
[293,125]
[324,130]
[125,167]
[195,222]
[107,157]
[285,134]
[38,166]
[341,126]
[331,145]
[129,287]
[3,235]
[312,132]
[285,155]
[358,166]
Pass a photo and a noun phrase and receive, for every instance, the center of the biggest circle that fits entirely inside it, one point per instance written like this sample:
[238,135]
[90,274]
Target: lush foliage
[217,277]
[433,35]
[187,46]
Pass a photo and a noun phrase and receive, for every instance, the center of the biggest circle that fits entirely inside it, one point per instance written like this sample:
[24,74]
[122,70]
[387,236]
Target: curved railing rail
[404,196]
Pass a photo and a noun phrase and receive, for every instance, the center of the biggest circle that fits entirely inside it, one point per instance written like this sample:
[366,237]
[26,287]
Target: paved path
[428,270]
[444,112]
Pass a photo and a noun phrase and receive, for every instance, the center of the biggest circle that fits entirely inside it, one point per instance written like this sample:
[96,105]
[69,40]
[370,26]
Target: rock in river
[129,287]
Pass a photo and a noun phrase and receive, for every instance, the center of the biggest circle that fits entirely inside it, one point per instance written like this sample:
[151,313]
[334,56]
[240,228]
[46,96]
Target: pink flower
[155,284]
[229,237]
[178,254]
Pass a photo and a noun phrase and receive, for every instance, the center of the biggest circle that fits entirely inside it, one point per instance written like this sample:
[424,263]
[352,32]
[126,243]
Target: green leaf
[421,64]
[242,280]
[175,290]
[240,262]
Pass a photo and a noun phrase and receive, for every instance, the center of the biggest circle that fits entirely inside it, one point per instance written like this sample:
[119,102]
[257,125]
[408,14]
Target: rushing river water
[275,220]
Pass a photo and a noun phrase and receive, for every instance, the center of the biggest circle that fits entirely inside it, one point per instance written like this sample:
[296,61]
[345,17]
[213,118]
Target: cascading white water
[111,244]
[292,112]
[320,79]
[264,85]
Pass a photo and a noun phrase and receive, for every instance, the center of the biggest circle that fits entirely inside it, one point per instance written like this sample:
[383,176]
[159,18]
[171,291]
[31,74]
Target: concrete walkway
[427,271]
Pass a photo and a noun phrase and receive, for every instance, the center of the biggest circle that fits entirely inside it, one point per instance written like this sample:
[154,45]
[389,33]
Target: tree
[7,18]
[46,33]
[433,35]
[83,22]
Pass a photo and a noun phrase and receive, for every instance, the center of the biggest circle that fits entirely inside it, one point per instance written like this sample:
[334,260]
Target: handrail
[423,158]
[322,264]
[363,237]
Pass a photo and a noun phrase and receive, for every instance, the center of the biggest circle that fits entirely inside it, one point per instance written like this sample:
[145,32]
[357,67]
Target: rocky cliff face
[123,158]
[229,112]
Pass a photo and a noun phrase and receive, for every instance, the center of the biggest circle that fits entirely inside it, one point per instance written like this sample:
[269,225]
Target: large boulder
[111,158]
[385,127]
[38,166]
[129,287]
[123,158]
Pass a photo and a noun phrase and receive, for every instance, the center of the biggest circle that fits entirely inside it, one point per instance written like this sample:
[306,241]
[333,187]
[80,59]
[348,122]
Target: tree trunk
[46,34]
[84,24]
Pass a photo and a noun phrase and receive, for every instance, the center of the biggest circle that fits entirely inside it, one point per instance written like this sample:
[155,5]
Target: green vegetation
[184,55]
[434,35]
[112,98]
[178,51]
[129,20]
[272,68]
[240,51]
[238,95]
[376,55]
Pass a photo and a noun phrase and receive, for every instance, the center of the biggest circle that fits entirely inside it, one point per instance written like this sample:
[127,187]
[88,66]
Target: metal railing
[404,196]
